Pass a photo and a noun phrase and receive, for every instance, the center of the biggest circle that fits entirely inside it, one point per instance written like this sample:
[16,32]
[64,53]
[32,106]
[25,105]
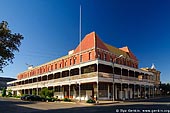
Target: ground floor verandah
[97,91]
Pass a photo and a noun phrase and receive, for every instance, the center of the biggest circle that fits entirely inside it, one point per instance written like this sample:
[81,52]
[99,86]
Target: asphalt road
[158,105]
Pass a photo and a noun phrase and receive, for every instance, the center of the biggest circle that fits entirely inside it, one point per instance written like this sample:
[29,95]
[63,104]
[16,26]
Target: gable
[129,52]
[90,40]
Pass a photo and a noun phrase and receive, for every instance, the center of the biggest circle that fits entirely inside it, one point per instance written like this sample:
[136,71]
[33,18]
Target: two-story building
[94,69]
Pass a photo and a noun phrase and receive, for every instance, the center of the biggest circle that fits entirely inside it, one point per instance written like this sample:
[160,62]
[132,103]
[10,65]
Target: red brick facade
[91,48]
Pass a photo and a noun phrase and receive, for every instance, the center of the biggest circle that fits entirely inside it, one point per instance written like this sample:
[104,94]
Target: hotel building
[94,69]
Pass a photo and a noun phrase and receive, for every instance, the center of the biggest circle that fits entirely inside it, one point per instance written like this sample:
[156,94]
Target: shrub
[46,93]
[90,101]
[67,100]
[54,99]
[17,96]
[3,92]
[49,99]
[9,93]
[34,92]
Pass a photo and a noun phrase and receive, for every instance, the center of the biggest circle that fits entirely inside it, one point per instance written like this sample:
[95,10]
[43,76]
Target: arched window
[80,58]
[104,56]
[65,63]
[56,66]
[99,55]
[74,60]
[111,59]
[70,61]
[89,55]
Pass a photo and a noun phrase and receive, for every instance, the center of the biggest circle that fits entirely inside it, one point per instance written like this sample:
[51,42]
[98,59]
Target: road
[158,105]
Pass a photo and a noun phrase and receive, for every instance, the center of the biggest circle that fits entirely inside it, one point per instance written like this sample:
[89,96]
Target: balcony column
[74,91]
[128,92]
[121,92]
[69,83]
[47,81]
[134,87]
[97,83]
[37,86]
[128,87]
[69,90]
[29,91]
[79,91]
[108,91]
[153,91]
[140,91]
[53,89]
[134,92]
[61,91]
[113,85]
[144,91]
[97,96]
[115,91]
[149,92]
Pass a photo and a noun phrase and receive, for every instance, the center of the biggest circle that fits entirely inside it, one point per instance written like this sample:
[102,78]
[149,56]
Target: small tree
[34,92]
[51,93]
[43,92]
[46,93]
[3,92]
[9,93]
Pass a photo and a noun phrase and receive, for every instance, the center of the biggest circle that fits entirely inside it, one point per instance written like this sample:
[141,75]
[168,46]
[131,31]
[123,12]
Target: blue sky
[51,28]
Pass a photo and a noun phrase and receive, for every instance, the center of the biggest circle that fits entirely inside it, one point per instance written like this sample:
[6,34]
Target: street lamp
[113,73]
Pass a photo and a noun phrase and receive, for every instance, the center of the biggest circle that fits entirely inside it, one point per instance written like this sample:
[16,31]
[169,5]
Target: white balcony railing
[54,82]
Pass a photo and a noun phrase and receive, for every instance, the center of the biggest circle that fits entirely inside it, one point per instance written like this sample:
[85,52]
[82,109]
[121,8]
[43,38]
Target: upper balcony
[94,69]
[76,79]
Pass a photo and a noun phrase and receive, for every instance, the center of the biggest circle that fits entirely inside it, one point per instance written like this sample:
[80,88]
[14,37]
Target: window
[117,70]
[89,69]
[51,67]
[70,61]
[57,75]
[117,61]
[121,62]
[105,68]
[104,56]
[65,63]
[124,72]
[74,60]
[65,73]
[99,56]
[111,59]
[74,72]
[55,66]
[80,58]
[89,55]
[124,61]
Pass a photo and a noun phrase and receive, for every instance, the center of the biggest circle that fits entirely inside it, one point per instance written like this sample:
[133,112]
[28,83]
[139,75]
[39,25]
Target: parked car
[34,98]
[38,98]
[30,98]
[24,97]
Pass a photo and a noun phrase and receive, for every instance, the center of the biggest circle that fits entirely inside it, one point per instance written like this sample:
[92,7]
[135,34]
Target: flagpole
[80,55]
[80,29]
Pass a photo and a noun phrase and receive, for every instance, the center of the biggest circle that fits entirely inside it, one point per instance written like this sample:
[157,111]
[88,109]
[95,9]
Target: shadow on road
[140,108]
[7,106]
[14,107]
[157,99]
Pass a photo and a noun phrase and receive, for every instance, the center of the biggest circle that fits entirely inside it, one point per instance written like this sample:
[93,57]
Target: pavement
[101,102]
[156,105]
